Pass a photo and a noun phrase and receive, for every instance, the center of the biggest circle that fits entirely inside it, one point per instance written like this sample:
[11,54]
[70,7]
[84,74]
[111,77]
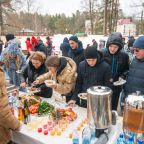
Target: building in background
[126,27]
[25,32]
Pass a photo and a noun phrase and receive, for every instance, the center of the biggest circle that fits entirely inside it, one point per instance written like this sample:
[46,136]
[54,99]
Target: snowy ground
[57,40]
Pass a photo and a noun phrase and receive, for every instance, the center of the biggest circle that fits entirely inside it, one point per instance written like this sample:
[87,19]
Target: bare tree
[6,6]
[91,6]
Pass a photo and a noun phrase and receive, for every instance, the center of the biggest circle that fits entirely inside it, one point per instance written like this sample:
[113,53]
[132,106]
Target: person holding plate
[118,61]
[62,70]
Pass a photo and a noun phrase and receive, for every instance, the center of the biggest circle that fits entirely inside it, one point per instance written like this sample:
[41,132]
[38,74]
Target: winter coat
[119,61]
[49,48]
[29,75]
[65,77]
[89,76]
[28,45]
[135,79]
[7,120]
[77,54]
[13,60]
[1,46]
[40,47]
[65,47]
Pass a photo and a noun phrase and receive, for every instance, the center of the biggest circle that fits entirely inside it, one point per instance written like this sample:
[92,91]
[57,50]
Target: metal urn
[99,112]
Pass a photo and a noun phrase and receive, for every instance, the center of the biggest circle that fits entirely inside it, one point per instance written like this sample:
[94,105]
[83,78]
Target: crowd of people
[74,72]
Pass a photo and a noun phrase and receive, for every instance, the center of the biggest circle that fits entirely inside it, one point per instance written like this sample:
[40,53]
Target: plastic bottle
[93,135]
[11,104]
[130,141]
[20,110]
[75,137]
[120,140]
[86,135]
[140,141]
[26,112]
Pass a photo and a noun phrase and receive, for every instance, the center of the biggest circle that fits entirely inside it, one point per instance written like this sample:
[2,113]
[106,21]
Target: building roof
[124,21]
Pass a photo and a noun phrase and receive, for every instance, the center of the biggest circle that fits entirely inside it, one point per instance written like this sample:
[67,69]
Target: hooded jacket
[65,77]
[119,61]
[88,76]
[65,47]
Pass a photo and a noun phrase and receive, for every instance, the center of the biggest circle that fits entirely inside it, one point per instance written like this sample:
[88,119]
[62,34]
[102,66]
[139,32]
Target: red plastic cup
[46,132]
[39,130]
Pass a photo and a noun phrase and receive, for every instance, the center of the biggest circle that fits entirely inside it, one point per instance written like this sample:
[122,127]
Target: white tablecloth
[26,136]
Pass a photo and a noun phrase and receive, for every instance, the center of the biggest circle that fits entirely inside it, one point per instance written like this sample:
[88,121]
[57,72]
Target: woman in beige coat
[7,120]
[63,71]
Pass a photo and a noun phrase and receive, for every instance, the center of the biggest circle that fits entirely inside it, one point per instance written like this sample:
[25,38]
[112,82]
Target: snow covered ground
[57,40]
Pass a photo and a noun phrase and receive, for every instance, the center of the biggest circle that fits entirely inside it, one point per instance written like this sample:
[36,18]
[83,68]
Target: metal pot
[99,107]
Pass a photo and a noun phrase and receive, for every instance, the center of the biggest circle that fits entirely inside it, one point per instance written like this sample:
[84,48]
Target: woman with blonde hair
[35,68]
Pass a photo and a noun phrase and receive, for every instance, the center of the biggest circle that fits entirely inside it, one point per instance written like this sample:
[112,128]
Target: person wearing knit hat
[139,47]
[91,55]
[93,71]
[119,62]
[135,78]
[76,51]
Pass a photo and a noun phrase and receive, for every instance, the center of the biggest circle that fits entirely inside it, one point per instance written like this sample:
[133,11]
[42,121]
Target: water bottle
[93,135]
[86,135]
[140,141]
[75,137]
[130,141]
[120,140]
[11,104]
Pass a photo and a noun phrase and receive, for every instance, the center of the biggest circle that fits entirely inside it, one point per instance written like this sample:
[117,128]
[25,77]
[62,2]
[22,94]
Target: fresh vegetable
[34,108]
[45,108]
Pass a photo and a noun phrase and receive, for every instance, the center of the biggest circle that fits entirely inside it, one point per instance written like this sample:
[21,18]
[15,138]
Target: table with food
[53,121]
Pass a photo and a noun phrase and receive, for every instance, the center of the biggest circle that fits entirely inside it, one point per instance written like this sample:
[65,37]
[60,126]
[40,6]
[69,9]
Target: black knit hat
[10,36]
[91,52]
[74,38]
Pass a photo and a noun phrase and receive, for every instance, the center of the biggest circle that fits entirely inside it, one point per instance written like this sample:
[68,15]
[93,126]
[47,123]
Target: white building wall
[127,29]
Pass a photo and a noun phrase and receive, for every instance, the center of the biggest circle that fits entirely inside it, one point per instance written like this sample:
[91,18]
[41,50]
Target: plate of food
[82,96]
[67,113]
[49,82]
[19,71]
[120,82]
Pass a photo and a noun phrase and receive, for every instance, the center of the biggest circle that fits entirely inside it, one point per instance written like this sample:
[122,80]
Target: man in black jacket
[76,51]
[135,80]
[119,62]
[93,71]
